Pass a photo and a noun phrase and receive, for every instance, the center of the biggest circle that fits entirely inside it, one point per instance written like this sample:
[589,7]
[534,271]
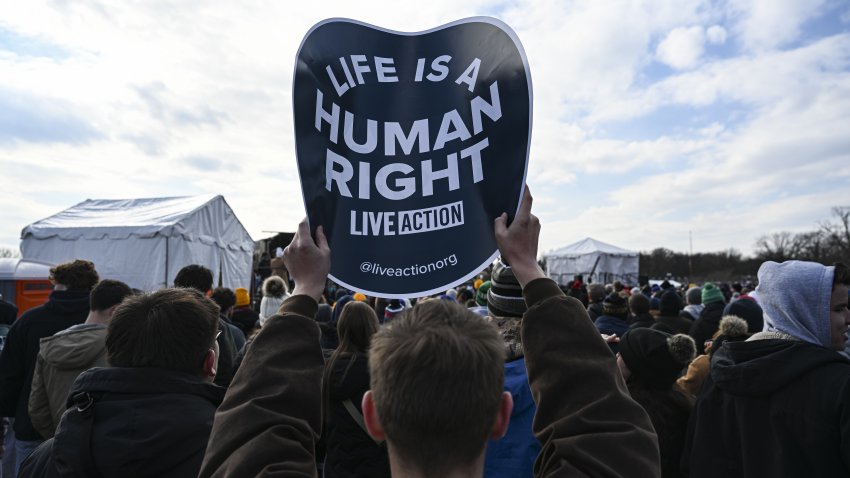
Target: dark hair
[639,304]
[107,293]
[841,275]
[79,275]
[170,328]
[437,373]
[224,297]
[194,276]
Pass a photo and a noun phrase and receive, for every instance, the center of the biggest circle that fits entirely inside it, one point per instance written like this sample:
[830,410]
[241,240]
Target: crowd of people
[508,375]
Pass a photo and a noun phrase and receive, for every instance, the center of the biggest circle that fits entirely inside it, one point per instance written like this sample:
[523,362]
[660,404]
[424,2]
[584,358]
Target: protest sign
[409,146]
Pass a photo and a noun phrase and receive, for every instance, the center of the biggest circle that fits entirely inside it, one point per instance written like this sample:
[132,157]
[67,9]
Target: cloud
[28,118]
[771,24]
[682,48]
[716,35]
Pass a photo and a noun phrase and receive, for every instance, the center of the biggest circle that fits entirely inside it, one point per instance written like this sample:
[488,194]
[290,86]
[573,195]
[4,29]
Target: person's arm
[586,422]
[271,416]
[39,403]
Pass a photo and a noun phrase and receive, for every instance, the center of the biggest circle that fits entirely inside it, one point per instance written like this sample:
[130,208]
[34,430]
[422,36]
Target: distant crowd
[508,375]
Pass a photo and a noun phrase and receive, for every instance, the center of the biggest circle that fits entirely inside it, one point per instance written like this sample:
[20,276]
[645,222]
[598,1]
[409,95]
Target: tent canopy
[594,260]
[144,242]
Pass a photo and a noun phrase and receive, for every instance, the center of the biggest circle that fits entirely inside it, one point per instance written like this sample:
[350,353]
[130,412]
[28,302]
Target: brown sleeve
[269,421]
[692,380]
[586,421]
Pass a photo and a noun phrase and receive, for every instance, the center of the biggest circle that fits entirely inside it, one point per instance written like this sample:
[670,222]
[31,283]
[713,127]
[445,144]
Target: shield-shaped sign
[409,146]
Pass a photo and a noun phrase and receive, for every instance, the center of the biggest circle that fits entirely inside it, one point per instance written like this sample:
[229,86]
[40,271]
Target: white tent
[594,260]
[144,242]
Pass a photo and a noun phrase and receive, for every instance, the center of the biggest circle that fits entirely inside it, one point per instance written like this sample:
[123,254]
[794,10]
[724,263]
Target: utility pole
[690,266]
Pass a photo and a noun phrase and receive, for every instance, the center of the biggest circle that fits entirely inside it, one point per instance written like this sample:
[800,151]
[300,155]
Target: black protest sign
[409,146]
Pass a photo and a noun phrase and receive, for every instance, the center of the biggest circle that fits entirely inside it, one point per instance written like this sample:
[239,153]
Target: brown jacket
[692,380]
[586,420]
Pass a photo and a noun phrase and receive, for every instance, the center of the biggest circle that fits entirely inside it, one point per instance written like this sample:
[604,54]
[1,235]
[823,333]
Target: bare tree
[838,233]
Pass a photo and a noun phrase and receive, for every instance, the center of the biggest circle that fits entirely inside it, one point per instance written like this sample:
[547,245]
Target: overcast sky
[651,119]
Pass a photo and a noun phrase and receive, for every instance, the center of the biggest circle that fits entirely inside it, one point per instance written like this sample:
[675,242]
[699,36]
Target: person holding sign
[586,421]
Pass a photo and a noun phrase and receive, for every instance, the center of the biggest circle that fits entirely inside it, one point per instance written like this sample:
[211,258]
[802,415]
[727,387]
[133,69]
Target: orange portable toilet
[25,282]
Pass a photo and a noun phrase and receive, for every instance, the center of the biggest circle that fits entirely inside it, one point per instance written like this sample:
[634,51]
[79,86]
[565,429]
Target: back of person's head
[694,296]
[655,359]
[78,275]
[356,326]
[437,376]
[194,276]
[639,304]
[504,297]
[170,329]
[108,293]
[615,305]
[595,292]
[732,329]
[670,304]
[274,286]
[224,297]
[749,310]
[710,294]
[796,297]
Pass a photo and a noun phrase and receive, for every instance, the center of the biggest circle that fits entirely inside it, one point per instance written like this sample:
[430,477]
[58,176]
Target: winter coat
[708,323]
[140,422]
[778,408]
[669,411]
[63,309]
[692,380]
[513,455]
[641,320]
[351,452]
[610,325]
[594,310]
[61,359]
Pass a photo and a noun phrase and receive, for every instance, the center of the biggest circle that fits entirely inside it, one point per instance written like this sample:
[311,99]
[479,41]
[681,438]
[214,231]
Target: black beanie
[749,310]
[671,304]
[655,358]
[504,298]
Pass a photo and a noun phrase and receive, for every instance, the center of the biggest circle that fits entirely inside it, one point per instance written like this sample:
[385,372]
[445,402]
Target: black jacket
[778,408]
[706,325]
[673,324]
[62,310]
[142,422]
[350,451]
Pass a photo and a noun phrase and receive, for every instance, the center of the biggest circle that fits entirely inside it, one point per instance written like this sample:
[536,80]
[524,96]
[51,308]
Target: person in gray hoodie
[64,356]
[777,404]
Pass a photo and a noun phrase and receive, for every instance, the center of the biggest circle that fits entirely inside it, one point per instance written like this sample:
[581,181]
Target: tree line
[827,244]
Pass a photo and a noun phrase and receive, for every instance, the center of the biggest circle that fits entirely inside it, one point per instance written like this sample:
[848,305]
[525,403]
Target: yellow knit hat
[242,297]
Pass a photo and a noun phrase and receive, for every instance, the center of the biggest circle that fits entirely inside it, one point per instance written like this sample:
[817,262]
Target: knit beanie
[481,293]
[655,358]
[504,298]
[477,283]
[615,305]
[694,296]
[360,297]
[749,310]
[242,297]
[710,293]
[671,303]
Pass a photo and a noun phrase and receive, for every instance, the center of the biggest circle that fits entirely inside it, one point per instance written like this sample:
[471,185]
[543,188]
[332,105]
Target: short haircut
[79,275]
[841,275]
[639,303]
[224,297]
[194,276]
[596,292]
[107,293]
[170,328]
[437,375]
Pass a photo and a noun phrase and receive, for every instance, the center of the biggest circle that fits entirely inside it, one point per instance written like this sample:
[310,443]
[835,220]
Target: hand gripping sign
[409,146]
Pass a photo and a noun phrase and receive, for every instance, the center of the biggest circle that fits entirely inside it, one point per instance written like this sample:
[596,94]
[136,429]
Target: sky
[654,121]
